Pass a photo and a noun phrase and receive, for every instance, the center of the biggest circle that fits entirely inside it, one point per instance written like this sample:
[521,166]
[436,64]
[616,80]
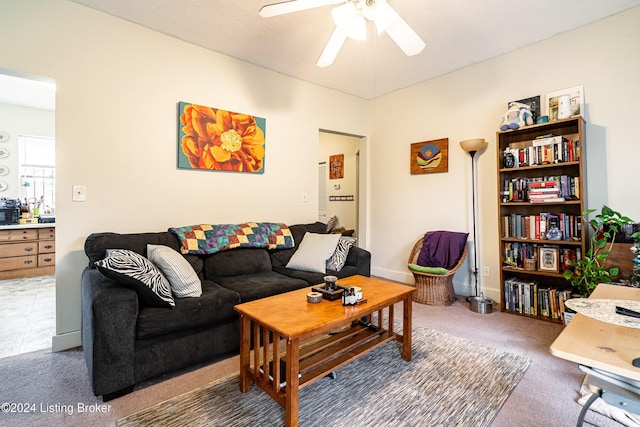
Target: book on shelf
[530,297]
[525,189]
[535,226]
[548,140]
[548,150]
[549,194]
[548,200]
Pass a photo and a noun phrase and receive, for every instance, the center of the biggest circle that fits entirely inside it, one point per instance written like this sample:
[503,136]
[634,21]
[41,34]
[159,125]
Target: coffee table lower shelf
[321,358]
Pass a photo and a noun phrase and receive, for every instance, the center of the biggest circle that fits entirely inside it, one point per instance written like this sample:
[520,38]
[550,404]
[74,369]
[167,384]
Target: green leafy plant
[586,273]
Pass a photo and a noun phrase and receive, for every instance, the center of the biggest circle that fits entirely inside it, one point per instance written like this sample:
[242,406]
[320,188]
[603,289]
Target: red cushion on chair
[442,248]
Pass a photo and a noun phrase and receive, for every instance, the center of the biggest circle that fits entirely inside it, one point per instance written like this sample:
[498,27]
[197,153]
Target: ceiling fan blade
[332,48]
[401,33]
[293,6]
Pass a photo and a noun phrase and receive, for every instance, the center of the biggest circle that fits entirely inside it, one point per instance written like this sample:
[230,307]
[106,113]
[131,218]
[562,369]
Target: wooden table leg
[245,339]
[293,382]
[406,329]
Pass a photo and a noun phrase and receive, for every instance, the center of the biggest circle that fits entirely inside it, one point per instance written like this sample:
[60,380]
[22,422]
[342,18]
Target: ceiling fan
[350,19]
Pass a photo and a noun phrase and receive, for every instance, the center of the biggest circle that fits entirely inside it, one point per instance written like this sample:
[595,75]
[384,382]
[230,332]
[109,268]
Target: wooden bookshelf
[532,259]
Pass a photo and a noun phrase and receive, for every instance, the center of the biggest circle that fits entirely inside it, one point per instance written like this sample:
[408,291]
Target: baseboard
[398,276]
[66,341]
[461,286]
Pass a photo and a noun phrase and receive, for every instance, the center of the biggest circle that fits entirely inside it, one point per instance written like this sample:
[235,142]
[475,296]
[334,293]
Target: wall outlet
[79,193]
[486,271]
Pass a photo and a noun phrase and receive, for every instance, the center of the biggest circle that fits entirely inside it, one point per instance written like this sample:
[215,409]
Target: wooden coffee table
[288,324]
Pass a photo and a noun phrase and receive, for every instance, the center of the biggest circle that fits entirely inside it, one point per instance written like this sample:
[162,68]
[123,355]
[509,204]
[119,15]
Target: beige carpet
[545,397]
[450,381]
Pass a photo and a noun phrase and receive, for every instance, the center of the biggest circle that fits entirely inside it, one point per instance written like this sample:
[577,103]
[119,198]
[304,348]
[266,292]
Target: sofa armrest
[109,313]
[361,259]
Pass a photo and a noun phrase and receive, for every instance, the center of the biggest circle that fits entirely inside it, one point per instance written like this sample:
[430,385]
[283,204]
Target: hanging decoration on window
[336,166]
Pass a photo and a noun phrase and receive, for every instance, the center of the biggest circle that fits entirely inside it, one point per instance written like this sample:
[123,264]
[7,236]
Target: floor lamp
[472,146]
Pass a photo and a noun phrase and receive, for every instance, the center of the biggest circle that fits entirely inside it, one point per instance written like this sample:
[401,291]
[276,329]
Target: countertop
[23,226]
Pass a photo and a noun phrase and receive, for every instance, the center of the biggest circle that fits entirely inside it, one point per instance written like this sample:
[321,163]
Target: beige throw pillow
[314,251]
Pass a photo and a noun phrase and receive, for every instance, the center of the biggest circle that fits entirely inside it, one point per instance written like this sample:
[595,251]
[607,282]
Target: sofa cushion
[135,271]
[237,262]
[339,257]
[213,307]
[314,278]
[260,285]
[96,244]
[313,252]
[181,276]
[428,270]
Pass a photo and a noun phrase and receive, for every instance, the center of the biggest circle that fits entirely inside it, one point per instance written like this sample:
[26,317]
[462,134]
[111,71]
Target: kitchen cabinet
[27,250]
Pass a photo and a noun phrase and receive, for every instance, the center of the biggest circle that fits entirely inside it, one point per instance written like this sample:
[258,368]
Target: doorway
[339,182]
[27,295]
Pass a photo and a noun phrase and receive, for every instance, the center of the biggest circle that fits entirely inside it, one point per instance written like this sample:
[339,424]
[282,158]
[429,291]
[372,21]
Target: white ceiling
[27,90]
[457,34]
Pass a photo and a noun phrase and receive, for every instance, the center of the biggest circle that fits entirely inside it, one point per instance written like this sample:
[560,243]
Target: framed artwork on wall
[430,156]
[336,166]
[220,140]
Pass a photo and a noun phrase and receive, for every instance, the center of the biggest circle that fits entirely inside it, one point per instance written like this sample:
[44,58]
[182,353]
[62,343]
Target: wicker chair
[434,289]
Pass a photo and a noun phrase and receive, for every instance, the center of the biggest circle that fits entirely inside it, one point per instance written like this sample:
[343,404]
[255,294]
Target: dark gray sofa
[126,342]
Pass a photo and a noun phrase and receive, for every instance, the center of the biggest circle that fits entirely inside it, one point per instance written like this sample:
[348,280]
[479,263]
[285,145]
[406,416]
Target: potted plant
[586,273]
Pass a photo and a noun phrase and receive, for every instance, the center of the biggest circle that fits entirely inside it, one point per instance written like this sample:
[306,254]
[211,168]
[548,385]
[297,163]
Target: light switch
[79,193]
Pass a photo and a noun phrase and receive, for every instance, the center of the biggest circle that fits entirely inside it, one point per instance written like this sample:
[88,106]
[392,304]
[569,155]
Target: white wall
[469,103]
[118,85]
[332,144]
[16,121]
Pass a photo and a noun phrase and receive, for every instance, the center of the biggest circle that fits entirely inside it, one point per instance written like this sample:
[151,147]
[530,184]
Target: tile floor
[27,314]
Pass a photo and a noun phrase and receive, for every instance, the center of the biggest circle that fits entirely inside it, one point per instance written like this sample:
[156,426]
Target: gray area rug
[449,382]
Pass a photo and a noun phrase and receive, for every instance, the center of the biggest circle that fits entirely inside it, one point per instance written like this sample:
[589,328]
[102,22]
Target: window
[37,157]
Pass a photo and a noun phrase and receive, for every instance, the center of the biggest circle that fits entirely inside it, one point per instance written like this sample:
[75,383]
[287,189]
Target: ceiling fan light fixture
[344,16]
[379,12]
[385,17]
[350,20]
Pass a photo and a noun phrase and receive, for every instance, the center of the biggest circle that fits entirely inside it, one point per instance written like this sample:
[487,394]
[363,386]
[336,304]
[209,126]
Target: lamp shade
[472,145]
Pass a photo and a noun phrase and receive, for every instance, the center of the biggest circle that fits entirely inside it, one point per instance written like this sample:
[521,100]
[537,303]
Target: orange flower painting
[220,140]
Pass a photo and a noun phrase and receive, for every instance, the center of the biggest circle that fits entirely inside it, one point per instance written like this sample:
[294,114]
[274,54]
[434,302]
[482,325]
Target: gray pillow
[183,279]
[333,221]
[135,271]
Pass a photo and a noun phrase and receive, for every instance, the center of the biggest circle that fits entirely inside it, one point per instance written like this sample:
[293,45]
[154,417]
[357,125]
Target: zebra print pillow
[137,272]
[339,257]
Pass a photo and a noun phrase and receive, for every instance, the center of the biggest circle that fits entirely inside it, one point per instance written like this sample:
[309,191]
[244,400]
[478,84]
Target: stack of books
[544,192]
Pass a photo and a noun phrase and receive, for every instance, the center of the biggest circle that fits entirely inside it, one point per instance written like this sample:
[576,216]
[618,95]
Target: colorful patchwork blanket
[210,238]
